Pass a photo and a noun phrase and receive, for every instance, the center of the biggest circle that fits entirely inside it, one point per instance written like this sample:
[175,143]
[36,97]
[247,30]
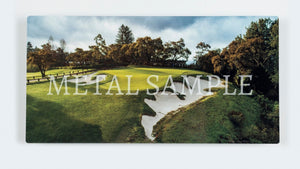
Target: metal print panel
[191,79]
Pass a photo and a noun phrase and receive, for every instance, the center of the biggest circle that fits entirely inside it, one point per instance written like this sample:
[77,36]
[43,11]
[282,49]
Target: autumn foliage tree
[114,54]
[205,62]
[142,52]
[80,57]
[255,53]
[147,50]
[42,58]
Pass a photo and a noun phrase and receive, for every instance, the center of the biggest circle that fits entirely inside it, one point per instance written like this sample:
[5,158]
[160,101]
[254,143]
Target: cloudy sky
[80,31]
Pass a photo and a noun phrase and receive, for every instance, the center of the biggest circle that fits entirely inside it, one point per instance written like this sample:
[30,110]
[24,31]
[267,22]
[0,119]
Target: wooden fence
[35,79]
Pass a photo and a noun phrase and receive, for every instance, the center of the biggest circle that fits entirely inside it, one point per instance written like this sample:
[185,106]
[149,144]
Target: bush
[32,68]
[236,118]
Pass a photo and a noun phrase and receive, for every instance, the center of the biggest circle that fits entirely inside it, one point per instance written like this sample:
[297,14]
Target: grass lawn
[92,118]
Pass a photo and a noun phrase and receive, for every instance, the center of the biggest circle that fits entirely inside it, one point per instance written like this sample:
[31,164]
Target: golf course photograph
[152,79]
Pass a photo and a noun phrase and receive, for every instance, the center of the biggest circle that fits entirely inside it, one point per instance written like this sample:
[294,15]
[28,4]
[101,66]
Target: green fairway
[140,75]
[91,118]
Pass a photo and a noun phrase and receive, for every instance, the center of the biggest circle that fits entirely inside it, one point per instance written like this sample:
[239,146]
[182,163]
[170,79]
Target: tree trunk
[43,73]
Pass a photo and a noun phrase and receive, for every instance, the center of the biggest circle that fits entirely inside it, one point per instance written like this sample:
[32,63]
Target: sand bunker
[167,103]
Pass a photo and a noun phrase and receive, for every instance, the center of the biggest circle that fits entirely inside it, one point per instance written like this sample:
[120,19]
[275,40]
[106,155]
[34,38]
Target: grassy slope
[207,121]
[90,118]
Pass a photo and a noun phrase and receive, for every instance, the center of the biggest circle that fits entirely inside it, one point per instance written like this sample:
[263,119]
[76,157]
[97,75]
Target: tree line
[125,51]
[254,53]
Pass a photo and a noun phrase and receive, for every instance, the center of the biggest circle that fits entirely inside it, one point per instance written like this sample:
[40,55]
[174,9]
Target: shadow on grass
[47,123]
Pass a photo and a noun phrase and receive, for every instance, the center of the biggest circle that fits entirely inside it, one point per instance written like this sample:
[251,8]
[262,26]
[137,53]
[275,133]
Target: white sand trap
[85,79]
[167,103]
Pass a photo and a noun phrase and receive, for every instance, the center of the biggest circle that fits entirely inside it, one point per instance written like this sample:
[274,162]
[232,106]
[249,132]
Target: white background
[16,153]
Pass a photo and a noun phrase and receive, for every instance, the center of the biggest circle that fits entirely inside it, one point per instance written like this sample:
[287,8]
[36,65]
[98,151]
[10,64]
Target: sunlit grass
[140,75]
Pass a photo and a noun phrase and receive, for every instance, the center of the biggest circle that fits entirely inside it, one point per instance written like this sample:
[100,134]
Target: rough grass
[208,121]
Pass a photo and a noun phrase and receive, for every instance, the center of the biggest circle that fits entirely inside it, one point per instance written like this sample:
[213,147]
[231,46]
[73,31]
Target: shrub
[236,118]
[32,68]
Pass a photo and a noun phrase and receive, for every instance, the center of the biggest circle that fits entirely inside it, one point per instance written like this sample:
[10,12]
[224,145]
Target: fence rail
[35,79]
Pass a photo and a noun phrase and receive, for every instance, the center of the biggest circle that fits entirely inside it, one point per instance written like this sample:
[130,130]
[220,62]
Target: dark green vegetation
[221,119]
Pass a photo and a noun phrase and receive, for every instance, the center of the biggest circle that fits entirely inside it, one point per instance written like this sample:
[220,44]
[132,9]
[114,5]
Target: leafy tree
[250,58]
[60,57]
[176,50]
[96,55]
[114,53]
[267,30]
[205,61]
[147,50]
[254,53]
[261,28]
[100,42]
[203,48]
[222,66]
[274,53]
[100,50]
[120,54]
[124,35]
[78,58]
[43,58]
